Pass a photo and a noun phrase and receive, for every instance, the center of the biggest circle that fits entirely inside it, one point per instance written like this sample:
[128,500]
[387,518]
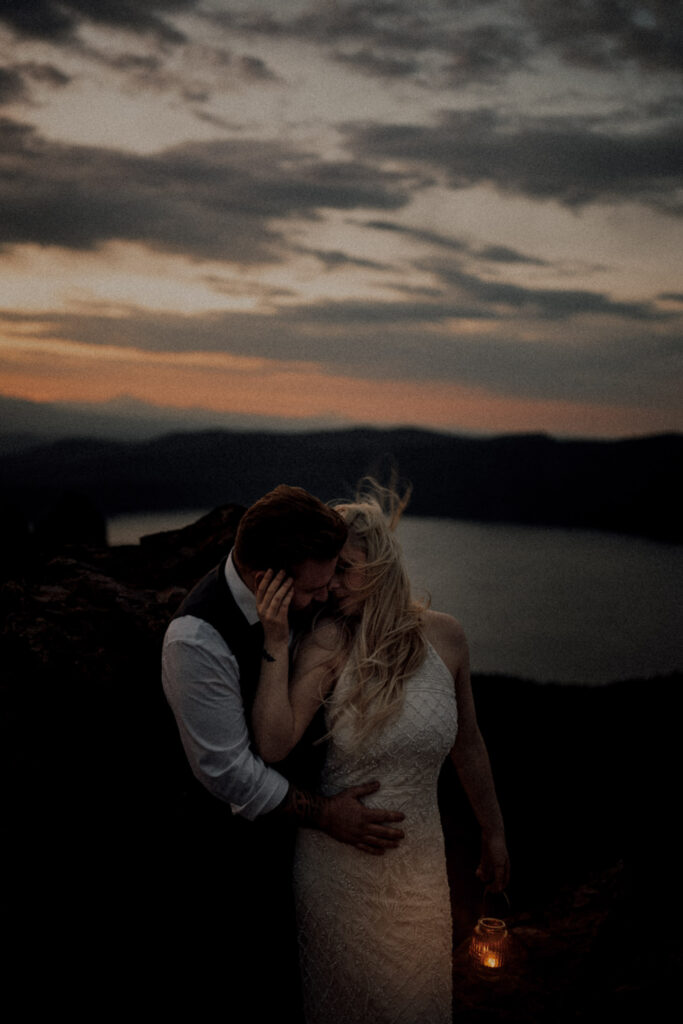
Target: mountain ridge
[626,485]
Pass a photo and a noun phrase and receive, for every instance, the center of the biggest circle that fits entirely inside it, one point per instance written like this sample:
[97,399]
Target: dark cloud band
[214,200]
[564,159]
[59,19]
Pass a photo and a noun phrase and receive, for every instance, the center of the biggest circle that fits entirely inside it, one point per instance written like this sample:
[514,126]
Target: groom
[241,814]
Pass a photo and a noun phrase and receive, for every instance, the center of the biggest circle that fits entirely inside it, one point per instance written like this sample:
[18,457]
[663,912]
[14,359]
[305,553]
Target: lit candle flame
[488,945]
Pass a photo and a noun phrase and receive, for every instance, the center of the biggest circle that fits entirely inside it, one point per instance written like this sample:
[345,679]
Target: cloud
[254,69]
[478,42]
[504,254]
[398,38]
[15,80]
[59,19]
[379,64]
[486,52]
[333,259]
[491,253]
[546,303]
[395,23]
[566,159]
[11,85]
[435,304]
[614,353]
[432,238]
[212,200]
[604,34]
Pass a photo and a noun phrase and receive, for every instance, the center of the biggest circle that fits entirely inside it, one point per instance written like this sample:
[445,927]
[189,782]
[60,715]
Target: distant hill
[628,486]
[25,424]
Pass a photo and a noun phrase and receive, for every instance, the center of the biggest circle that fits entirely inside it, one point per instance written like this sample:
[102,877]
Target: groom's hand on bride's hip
[348,820]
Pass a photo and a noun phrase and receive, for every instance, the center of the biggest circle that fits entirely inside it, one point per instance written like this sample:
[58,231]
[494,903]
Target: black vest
[212,601]
[229,877]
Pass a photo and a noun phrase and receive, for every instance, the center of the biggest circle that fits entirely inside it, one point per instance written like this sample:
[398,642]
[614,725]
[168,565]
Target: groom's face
[311,582]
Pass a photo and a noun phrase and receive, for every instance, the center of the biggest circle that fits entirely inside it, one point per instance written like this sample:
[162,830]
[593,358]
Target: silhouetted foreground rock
[96,781]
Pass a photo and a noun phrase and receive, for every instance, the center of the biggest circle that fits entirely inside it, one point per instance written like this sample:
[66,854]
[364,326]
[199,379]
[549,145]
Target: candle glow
[488,945]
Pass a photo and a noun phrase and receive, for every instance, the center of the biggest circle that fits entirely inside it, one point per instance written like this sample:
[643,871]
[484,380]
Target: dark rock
[69,518]
[185,555]
[15,539]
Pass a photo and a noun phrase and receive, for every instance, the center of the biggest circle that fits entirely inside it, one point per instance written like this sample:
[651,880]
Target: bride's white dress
[375,932]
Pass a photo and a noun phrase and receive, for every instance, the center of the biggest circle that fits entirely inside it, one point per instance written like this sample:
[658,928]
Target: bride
[375,933]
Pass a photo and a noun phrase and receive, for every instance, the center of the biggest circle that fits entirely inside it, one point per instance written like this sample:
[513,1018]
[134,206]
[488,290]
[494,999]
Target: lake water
[551,605]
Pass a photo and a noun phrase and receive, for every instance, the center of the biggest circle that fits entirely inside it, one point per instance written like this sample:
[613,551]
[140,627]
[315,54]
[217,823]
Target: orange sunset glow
[227,384]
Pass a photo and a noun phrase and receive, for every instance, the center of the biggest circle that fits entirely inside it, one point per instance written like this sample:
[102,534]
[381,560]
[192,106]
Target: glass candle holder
[489,946]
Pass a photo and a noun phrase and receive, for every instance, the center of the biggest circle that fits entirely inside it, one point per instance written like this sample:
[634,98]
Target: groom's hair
[286,527]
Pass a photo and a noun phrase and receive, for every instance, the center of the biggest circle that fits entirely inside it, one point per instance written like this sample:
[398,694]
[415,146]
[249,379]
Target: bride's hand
[273,597]
[494,866]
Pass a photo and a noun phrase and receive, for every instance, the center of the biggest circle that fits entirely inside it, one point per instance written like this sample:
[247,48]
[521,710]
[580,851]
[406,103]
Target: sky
[462,215]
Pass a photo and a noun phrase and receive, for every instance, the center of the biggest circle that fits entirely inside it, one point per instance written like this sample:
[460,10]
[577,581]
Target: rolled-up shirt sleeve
[201,682]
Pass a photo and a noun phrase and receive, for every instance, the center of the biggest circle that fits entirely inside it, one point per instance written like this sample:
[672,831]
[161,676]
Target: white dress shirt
[200,677]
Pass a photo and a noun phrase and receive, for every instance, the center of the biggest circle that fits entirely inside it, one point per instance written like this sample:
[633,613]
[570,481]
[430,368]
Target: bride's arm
[471,760]
[283,709]
[469,754]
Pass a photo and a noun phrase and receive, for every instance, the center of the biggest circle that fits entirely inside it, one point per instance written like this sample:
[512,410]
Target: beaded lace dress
[375,933]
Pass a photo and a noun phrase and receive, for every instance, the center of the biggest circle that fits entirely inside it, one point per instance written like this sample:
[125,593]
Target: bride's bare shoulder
[447,637]
[442,627]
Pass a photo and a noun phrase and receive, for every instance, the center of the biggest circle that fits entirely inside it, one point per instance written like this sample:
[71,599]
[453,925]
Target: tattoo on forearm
[305,807]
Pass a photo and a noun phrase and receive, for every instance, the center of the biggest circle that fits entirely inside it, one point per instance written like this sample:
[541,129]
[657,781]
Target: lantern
[489,946]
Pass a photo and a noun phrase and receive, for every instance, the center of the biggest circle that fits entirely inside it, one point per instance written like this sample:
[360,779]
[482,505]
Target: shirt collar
[245,600]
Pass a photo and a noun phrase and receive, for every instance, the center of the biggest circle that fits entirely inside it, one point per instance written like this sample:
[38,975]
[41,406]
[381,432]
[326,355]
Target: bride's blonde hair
[384,642]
